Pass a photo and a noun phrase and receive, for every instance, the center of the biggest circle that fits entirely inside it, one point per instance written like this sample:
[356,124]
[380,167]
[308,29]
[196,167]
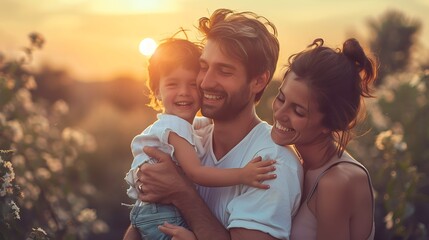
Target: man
[237,63]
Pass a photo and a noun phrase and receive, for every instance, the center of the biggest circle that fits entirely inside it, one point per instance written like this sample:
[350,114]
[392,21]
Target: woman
[318,105]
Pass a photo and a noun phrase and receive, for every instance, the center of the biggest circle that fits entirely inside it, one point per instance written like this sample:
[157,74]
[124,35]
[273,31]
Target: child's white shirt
[156,135]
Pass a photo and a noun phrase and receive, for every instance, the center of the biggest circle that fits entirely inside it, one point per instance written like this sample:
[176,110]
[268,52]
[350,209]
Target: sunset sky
[99,39]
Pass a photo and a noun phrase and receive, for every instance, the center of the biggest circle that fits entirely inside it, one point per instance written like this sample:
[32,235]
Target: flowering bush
[42,182]
[9,191]
[395,154]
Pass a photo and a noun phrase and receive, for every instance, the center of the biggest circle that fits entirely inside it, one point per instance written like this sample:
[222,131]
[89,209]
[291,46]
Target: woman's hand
[177,232]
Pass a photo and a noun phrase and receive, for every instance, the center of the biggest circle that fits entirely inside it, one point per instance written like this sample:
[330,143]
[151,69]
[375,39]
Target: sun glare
[147,46]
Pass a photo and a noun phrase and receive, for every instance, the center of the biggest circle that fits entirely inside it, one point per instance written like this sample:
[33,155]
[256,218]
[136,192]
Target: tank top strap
[328,166]
[334,163]
[350,160]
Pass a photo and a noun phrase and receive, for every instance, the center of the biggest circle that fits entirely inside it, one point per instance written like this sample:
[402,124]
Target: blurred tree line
[71,143]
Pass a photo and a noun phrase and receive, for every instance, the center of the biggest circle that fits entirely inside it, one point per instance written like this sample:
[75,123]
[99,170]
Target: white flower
[9,167]
[99,227]
[381,139]
[15,210]
[389,140]
[38,123]
[80,139]
[23,98]
[40,230]
[54,164]
[30,83]
[87,215]
[61,107]
[74,136]
[7,178]
[43,173]
[14,130]
[388,219]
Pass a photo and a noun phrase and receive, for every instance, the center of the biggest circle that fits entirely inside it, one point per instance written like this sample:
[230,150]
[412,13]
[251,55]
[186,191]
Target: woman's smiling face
[297,119]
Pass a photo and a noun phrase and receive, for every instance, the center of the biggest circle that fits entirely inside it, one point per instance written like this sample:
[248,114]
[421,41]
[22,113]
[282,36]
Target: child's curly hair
[169,55]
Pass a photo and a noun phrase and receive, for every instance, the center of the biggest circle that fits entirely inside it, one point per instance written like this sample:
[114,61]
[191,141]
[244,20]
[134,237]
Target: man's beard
[228,111]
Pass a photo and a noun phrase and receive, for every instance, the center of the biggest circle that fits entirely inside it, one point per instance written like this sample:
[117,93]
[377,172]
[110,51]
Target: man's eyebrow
[225,65]
[220,65]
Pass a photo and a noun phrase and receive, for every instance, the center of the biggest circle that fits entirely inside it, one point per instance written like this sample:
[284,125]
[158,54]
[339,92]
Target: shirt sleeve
[201,122]
[181,127]
[147,138]
[271,210]
[157,135]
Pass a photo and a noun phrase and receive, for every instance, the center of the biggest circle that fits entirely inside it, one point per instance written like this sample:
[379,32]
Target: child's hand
[177,232]
[257,171]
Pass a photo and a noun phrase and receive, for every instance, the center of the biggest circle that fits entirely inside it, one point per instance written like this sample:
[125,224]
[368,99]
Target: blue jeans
[147,217]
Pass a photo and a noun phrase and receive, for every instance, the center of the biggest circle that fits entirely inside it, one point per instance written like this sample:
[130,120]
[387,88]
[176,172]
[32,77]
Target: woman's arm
[342,195]
[252,174]
[333,205]
[177,232]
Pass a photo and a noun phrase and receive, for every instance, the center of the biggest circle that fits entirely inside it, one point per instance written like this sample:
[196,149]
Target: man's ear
[260,82]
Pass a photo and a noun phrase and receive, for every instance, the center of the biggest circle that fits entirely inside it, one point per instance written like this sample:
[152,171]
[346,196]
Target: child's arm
[253,174]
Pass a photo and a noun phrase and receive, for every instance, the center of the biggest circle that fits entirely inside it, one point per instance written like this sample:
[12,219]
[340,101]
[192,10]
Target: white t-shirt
[156,135]
[241,206]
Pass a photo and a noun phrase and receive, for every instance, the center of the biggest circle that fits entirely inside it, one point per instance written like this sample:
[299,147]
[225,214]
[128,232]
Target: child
[173,70]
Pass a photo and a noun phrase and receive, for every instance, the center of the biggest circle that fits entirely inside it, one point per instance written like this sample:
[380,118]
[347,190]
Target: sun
[147,46]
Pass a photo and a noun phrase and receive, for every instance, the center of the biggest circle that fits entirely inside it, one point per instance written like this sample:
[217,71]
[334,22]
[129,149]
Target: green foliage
[393,37]
[43,180]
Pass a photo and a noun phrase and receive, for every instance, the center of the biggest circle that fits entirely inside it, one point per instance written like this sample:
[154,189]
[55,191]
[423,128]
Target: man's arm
[242,233]
[165,183]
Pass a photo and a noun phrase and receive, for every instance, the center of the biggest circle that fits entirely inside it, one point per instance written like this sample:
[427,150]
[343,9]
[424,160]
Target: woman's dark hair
[339,79]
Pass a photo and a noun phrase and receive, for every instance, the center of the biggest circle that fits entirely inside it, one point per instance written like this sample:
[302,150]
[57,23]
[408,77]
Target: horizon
[99,40]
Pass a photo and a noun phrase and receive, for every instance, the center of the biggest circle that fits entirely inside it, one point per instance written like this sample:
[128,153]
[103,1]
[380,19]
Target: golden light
[147,46]
[129,6]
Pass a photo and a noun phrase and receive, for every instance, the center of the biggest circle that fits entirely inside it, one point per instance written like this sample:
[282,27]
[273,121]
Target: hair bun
[353,50]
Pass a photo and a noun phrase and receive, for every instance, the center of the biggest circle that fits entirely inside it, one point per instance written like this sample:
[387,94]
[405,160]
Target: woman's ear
[326,131]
